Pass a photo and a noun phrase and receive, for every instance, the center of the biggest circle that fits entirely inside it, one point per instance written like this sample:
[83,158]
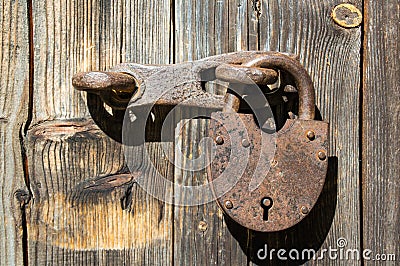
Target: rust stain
[347,15]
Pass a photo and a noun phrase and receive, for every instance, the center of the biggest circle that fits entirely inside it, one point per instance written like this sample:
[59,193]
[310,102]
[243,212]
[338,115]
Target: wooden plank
[147,32]
[70,37]
[202,235]
[14,97]
[86,210]
[120,225]
[210,27]
[381,131]
[331,55]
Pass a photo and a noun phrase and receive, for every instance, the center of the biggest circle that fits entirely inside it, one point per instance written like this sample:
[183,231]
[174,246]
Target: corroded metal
[294,181]
[295,157]
[300,77]
[126,83]
[347,15]
[114,88]
[246,75]
[127,79]
[97,82]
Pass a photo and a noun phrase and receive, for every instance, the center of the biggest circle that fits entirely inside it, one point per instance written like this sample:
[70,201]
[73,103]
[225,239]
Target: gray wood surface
[327,51]
[331,54]
[14,97]
[85,210]
[67,222]
[204,28]
[381,130]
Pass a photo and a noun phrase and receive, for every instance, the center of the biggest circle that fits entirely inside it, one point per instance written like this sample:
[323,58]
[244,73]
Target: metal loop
[301,78]
[246,75]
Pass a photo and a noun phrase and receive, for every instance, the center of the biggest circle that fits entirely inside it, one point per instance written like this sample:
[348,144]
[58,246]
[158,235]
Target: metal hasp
[126,83]
[293,159]
[286,166]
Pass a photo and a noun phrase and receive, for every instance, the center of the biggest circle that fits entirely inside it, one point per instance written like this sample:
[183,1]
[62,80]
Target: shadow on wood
[310,233]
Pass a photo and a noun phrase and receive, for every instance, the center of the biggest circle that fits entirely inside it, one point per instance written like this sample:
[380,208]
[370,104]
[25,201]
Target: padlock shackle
[301,78]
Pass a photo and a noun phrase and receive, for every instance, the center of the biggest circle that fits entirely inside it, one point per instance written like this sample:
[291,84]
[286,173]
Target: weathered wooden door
[58,203]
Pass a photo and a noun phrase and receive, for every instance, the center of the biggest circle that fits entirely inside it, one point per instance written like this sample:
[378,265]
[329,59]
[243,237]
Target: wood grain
[202,236]
[70,37]
[72,221]
[121,225]
[14,97]
[147,32]
[331,55]
[381,130]
[85,208]
[212,27]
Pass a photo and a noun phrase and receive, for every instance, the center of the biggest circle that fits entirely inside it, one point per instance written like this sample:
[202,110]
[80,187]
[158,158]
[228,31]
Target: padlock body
[287,167]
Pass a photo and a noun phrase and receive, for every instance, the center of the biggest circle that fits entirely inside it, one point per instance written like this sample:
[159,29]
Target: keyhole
[266,204]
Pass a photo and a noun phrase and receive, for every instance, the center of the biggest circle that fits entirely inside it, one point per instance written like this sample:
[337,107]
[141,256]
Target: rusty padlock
[286,169]
[283,172]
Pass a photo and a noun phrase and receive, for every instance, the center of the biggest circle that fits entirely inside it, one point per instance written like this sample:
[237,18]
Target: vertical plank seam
[172,32]
[258,10]
[247,26]
[364,5]
[121,32]
[172,61]
[31,65]
[24,201]
[23,133]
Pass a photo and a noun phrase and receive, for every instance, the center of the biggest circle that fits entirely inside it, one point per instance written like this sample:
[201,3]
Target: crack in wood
[257,8]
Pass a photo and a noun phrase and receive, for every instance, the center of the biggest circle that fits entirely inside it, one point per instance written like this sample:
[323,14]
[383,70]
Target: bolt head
[347,15]
[322,155]
[245,143]
[219,140]
[304,210]
[311,135]
[203,226]
[228,204]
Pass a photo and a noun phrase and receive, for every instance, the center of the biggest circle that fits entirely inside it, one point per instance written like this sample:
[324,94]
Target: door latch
[127,83]
[284,166]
